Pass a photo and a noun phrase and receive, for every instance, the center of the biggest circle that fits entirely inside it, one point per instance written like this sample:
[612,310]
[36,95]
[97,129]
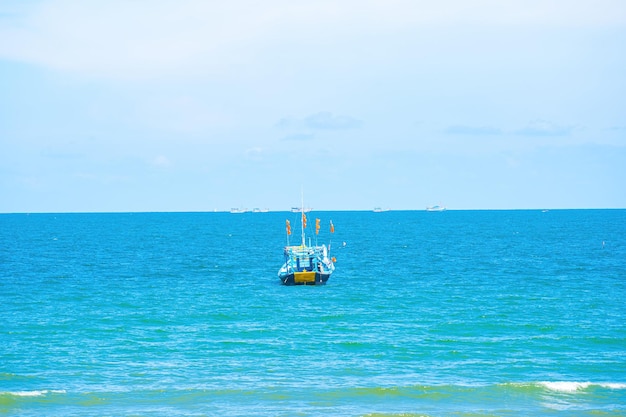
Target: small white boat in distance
[436,208]
[301,209]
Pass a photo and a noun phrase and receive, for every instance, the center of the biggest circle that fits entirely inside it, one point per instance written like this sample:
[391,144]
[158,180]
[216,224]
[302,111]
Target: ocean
[459,313]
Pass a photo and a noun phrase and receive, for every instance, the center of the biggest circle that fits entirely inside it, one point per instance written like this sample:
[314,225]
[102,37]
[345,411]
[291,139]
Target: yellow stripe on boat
[308,276]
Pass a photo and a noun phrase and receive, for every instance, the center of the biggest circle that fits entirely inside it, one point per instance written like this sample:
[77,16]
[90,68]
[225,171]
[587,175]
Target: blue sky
[200,105]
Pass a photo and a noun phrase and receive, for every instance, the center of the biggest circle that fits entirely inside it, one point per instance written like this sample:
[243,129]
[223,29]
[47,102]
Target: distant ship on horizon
[236,210]
[301,209]
[436,208]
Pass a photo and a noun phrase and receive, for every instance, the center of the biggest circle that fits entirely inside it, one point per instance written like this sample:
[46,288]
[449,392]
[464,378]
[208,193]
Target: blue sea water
[460,313]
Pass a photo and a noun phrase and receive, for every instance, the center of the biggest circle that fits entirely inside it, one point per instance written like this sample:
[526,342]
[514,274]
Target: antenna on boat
[330,241]
[303,216]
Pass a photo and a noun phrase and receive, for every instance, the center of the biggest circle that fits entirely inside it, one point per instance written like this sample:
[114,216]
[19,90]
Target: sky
[196,105]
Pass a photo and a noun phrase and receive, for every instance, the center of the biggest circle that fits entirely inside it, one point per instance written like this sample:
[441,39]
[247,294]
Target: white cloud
[473,130]
[161,162]
[320,121]
[537,127]
[329,121]
[255,153]
[182,114]
[545,128]
[300,137]
[144,39]
[130,39]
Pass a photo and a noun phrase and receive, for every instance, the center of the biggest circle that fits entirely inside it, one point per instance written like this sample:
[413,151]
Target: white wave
[34,393]
[567,386]
[613,385]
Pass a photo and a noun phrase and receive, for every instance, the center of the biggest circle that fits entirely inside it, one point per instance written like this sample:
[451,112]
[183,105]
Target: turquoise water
[461,313]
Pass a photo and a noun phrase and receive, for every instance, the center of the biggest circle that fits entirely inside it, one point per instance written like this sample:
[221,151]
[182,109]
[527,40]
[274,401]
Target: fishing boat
[306,263]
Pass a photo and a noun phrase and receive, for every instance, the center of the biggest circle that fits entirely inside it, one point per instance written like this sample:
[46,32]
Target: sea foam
[567,386]
[34,393]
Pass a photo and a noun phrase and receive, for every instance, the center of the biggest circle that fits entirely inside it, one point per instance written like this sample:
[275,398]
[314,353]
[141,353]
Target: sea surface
[460,313]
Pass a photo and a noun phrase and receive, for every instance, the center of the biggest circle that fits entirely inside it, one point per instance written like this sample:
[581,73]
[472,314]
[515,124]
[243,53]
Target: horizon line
[321,210]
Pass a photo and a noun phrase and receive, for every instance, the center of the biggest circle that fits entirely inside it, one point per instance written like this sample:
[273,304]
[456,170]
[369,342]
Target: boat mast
[302,215]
